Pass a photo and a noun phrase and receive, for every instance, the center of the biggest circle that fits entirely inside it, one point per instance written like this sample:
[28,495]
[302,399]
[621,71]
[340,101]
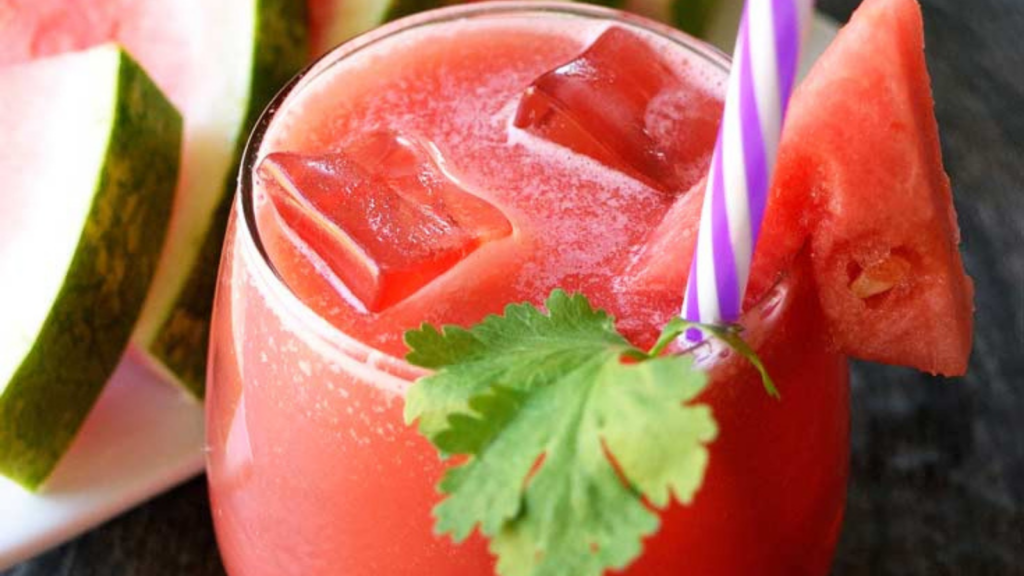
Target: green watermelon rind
[91,320]
[279,51]
[349,18]
[401,8]
[693,16]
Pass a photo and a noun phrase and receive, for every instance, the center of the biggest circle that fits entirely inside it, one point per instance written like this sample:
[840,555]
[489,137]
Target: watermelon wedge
[860,185]
[332,22]
[219,63]
[91,151]
[862,144]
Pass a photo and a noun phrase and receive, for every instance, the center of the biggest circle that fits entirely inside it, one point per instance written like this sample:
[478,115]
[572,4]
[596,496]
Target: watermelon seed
[880,277]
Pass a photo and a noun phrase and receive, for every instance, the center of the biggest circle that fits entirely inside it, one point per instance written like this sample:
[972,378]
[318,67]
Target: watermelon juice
[311,468]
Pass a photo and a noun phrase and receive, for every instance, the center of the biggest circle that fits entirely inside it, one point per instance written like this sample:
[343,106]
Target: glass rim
[246,225]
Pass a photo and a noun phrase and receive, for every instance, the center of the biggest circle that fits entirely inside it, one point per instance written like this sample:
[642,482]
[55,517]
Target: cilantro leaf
[730,334]
[563,439]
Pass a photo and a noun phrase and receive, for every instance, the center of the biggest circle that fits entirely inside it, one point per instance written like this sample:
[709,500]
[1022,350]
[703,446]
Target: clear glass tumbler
[312,471]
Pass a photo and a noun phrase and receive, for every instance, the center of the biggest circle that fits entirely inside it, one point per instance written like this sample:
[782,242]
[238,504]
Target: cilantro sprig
[731,334]
[570,436]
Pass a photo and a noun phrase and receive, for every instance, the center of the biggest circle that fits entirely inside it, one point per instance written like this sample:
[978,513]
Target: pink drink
[311,468]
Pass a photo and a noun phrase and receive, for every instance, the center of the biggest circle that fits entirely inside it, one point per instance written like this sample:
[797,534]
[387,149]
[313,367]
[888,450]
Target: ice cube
[383,214]
[596,105]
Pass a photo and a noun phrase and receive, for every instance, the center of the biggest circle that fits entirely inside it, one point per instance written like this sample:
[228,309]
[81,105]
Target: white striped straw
[763,74]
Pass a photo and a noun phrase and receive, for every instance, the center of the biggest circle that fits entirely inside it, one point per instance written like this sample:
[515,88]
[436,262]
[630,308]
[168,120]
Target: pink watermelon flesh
[152,31]
[322,14]
[330,22]
[860,184]
[863,135]
[597,104]
[383,215]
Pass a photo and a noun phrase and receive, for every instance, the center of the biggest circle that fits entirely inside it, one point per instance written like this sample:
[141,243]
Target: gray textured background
[938,466]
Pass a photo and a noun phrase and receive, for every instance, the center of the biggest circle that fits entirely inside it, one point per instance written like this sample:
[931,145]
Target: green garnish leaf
[568,433]
[730,334]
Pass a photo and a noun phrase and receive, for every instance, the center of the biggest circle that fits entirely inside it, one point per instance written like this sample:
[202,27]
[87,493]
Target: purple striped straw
[764,69]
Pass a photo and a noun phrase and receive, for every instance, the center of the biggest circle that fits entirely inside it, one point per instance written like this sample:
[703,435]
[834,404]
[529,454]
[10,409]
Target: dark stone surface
[938,465]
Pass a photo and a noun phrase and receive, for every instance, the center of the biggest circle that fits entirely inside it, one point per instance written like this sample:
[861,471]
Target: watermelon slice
[860,184]
[331,22]
[219,63]
[862,143]
[713,20]
[90,163]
